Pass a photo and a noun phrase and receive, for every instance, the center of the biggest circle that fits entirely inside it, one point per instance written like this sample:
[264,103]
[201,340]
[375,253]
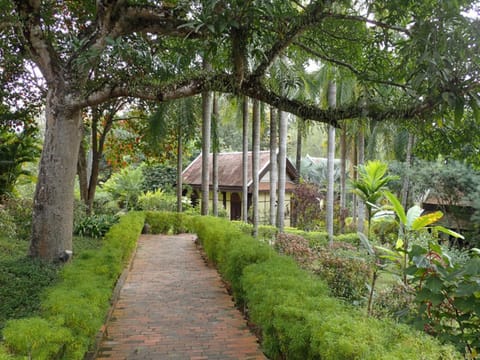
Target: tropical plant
[448,294]
[371,182]
[125,186]
[411,223]
[19,144]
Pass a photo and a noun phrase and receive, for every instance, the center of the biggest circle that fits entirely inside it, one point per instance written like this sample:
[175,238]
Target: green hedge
[297,317]
[74,310]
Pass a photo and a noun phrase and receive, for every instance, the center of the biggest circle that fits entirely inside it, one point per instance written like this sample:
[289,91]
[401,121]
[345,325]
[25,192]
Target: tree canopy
[415,60]
[424,53]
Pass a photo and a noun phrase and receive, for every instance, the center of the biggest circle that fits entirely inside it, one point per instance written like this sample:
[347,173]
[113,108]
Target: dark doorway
[235,207]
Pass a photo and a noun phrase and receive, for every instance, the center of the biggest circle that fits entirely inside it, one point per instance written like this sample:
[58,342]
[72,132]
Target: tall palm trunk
[255,163]
[360,161]
[331,94]
[408,164]
[206,135]
[343,177]
[215,156]
[179,169]
[282,169]
[273,164]
[245,160]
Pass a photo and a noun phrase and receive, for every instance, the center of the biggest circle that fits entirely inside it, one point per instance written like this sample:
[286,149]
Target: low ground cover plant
[72,311]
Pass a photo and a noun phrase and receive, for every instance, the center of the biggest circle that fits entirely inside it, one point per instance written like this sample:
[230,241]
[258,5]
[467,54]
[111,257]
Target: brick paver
[174,306]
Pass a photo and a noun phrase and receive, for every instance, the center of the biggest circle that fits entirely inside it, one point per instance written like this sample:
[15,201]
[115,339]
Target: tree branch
[40,49]
[350,67]
[312,16]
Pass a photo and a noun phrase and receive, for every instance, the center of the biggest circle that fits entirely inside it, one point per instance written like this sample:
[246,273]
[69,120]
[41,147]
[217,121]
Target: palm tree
[255,163]
[245,159]
[206,137]
[332,101]
[282,168]
[215,149]
[273,164]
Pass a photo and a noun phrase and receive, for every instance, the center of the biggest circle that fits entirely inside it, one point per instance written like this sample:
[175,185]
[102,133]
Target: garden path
[174,306]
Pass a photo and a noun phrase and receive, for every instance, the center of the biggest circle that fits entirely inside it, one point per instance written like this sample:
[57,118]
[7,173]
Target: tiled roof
[229,169]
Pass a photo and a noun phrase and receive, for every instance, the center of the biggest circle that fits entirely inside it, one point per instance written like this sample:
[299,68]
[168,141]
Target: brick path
[174,306]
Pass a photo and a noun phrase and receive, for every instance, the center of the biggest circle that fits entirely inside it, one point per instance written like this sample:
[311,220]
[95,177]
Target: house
[230,183]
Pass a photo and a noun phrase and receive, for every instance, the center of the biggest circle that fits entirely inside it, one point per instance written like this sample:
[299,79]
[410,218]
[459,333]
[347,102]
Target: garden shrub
[242,252]
[295,246]
[345,273]
[76,307]
[20,210]
[157,200]
[351,238]
[95,226]
[166,222]
[293,312]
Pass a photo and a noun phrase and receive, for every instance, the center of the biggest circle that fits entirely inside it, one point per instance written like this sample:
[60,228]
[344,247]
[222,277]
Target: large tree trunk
[332,95]
[273,165]
[245,160]
[255,163]
[282,169]
[52,222]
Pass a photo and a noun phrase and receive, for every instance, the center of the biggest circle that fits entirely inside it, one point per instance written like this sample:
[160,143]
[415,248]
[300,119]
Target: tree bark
[255,163]
[206,126]
[179,170]
[52,223]
[360,161]
[273,165]
[408,164]
[282,169]
[215,156]
[332,95]
[82,173]
[245,160]
[343,177]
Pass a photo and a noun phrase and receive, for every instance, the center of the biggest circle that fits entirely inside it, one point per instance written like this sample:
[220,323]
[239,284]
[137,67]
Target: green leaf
[397,207]
[366,244]
[448,232]
[434,284]
[467,289]
[472,267]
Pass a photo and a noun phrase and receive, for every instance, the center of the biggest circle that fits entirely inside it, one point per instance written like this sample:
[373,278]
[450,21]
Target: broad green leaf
[467,289]
[425,220]
[397,207]
[434,284]
[412,214]
[472,267]
[366,243]
[448,232]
